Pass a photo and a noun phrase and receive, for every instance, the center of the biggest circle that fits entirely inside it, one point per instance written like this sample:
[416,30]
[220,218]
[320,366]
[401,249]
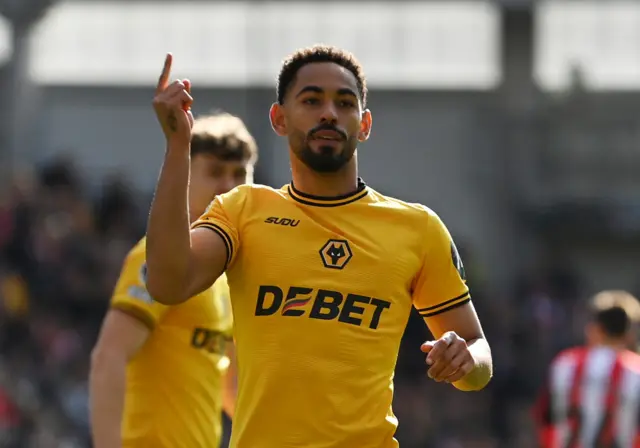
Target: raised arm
[180,262]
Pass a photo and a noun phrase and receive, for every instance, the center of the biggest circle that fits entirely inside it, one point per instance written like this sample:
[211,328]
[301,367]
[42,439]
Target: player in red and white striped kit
[592,396]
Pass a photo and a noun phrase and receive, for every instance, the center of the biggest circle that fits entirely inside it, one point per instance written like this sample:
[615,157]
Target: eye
[311,101]
[347,103]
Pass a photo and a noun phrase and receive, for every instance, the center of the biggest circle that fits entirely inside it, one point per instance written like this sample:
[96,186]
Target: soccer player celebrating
[592,395]
[158,373]
[323,272]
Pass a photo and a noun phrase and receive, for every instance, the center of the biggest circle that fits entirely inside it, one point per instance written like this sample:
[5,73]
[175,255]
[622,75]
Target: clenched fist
[172,103]
[449,358]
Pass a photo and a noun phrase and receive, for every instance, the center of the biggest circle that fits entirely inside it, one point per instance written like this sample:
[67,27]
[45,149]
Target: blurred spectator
[59,257]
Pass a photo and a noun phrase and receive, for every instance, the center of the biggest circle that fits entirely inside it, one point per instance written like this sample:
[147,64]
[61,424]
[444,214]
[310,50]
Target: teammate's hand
[449,358]
[172,103]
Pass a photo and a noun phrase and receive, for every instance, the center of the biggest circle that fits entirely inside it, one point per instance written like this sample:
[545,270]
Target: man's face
[211,176]
[322,116]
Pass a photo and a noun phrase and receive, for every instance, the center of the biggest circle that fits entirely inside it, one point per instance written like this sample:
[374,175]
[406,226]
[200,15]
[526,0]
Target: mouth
[327,135]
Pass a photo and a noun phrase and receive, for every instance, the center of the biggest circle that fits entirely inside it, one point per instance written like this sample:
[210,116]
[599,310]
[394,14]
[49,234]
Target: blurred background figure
[592,392]
[147,352]
[517,121]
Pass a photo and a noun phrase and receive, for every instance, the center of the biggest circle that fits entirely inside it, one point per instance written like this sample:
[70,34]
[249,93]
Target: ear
[278,122]
[365,126]
[592,333]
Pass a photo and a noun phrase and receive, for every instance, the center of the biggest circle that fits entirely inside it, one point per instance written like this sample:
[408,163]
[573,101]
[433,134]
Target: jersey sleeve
[222,217]
[130,295]
[440,285]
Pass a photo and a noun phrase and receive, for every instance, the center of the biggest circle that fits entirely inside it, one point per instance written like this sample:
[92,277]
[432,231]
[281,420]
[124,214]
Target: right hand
[172,103]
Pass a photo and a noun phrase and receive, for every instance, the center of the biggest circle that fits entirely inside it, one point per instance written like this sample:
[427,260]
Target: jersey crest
[336,254]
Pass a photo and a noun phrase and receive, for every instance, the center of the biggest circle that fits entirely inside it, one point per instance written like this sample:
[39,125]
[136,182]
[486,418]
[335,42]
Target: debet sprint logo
[325,305]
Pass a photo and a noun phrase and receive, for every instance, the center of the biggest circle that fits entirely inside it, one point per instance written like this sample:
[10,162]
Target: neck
[614,344]
[342,182]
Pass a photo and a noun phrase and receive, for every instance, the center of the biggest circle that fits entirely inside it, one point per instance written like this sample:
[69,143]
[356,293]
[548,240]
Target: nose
[329,114]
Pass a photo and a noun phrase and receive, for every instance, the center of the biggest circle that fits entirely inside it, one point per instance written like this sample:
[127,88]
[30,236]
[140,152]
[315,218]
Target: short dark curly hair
[319,53]
[615,311]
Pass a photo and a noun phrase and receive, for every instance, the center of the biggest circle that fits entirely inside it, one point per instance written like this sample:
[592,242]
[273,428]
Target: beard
[325,160]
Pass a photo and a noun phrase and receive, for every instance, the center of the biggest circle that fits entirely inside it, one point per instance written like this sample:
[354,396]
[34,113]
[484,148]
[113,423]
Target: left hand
[449,358]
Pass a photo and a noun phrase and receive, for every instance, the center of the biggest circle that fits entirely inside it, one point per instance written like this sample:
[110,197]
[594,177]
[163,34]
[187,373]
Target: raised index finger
[164,76]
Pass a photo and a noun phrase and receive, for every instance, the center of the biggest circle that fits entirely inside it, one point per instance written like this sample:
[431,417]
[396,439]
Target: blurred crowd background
[518,121]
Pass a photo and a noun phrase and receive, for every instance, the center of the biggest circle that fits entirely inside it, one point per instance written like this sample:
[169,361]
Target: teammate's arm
[460,353]
[180,263]
[120,339]
[230,391]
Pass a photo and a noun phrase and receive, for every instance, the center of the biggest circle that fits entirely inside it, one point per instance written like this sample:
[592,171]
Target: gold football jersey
[322,289]
[174,383]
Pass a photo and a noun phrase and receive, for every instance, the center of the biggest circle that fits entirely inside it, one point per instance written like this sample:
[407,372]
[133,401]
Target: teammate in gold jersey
[323,272]
[158,373]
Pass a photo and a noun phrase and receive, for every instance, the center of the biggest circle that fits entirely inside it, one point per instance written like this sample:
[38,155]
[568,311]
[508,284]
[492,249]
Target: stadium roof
[435,44]
[446,43]
[600,39]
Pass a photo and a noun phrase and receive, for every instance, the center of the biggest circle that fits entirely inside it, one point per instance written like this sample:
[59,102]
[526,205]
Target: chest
[351,242]
[348,265]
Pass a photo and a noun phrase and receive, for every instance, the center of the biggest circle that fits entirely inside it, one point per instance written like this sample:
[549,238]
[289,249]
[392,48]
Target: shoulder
[247,193]
[249,190]
[133,276]
[134,267]
[136,257]
[568,356]
[416,212]
[631,361]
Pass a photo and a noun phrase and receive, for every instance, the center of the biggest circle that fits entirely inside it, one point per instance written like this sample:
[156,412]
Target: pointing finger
[166,72]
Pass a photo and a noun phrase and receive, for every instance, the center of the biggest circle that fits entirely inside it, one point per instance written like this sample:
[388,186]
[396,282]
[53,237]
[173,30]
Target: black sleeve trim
[228,242]
[446,306]
[440,305]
